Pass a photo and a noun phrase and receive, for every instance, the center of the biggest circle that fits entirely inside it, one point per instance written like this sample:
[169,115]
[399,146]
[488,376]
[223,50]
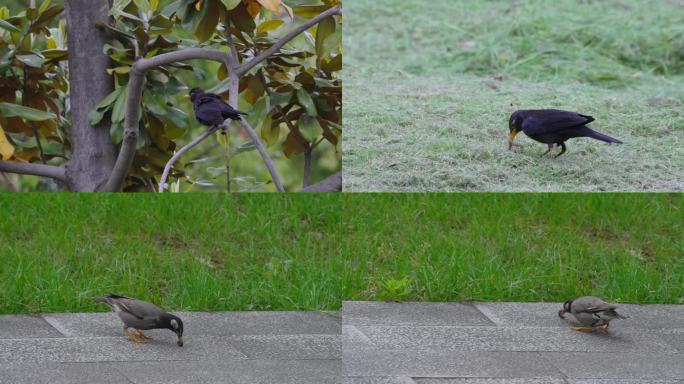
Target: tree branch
[267,159]
[33,169]
[177,155]
[133,99]
[244,68]
[135,89]
[307,165]
[330,184]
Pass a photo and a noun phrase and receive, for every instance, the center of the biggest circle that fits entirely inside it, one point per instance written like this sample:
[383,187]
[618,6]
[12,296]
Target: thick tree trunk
[93,153]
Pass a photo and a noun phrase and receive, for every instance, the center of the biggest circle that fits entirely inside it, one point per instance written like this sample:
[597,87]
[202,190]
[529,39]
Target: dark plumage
[553,127]
[141,315]
[210,109]
[591,312]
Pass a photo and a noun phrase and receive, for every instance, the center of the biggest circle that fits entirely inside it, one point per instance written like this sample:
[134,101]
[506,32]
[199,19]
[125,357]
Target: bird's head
[195,93]
[175,324]
[514,126]
[566,309]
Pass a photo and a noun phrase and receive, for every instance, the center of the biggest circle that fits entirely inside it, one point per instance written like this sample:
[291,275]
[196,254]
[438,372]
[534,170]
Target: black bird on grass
[210,109]
[140,315]
[553,127]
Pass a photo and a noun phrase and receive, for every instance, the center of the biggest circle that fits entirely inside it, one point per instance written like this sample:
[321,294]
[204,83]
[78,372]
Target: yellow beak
[511,137]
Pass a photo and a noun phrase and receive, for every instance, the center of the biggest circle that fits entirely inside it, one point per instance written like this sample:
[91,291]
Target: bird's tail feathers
[602,137]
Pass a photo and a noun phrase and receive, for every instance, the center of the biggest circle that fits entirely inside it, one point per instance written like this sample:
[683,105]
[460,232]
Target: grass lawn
[183,252]
[514,247]
[429,88]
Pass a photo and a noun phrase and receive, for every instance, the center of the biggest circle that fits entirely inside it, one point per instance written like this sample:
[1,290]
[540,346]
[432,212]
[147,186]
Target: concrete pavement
[220,347]
[507,343]
[388,343]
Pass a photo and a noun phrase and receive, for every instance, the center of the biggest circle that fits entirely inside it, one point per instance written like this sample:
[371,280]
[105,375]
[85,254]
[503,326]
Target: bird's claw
[135,337]
[144,336]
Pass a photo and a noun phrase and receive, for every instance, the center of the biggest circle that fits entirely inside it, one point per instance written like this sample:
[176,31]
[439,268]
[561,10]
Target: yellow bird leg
[134,337]
[141,334]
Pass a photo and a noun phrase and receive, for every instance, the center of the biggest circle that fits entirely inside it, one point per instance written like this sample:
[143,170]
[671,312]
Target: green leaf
[306,101]
[207,19]
[269,25]
[230,4]
[46,17]
[325,29]
[309,11]
[43,7]
[259,111]
[31,114]
[215,172]
[170,9]
[8,27]
[120,70]
[220,87]
[246,147]
[269,133]
[143,5]
[118,111]
[279,98]
[309,127]
[55,54]
[109,99]
[95,116]
[32,60]
[116,133]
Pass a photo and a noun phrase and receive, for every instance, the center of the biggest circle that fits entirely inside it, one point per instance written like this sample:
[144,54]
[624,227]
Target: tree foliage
[33,85]
[293,97]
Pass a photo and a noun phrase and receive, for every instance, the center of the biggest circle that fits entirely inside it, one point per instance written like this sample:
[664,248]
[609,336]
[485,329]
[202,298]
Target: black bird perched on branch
[210,109]
[141,315]
[553,127]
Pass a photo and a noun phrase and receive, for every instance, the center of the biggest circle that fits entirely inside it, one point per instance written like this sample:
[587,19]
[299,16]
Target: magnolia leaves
[31,114]
[6,148]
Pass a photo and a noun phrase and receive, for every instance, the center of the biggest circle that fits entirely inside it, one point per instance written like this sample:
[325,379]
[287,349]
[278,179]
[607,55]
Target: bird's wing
[591,304]
[553,120]
[211,107]
[138,308]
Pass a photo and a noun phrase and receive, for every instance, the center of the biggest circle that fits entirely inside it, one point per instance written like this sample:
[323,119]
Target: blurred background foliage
[293,98]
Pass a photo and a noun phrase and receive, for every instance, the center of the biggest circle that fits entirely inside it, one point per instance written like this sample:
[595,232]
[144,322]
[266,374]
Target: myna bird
[590,311]
[210,109]
[553,127]
[141,315]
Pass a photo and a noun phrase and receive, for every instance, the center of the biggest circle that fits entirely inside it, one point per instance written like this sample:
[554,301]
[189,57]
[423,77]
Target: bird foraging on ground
[590,311]
[210,109]
[553,127]
[141,315]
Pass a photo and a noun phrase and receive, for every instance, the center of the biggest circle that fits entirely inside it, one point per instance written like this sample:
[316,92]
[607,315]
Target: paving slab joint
[486,312]
[54,323]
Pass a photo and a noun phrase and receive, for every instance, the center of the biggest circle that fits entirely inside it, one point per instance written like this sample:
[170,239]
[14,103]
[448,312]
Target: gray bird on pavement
[141,315]
[591,312]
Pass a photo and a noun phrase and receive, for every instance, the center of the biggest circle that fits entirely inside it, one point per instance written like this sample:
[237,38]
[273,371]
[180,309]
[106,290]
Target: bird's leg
[548,150]
[563,149]
[133,336]
[582,329]
[144,336]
